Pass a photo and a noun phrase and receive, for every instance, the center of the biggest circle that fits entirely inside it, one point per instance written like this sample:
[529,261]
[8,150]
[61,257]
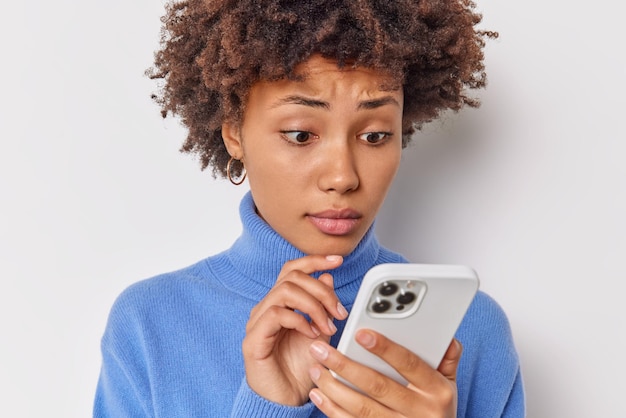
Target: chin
[334,246]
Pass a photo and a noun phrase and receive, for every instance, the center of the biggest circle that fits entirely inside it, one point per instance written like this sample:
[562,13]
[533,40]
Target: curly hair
[213,51]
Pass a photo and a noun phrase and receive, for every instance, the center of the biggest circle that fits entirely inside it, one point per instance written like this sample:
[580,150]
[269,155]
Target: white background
[529,190]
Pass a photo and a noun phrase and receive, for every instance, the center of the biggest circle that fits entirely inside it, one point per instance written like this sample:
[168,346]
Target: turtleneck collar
[259,254]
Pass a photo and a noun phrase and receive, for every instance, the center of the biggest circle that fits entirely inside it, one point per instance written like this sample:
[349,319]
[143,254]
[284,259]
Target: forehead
[317,66]
[321,77]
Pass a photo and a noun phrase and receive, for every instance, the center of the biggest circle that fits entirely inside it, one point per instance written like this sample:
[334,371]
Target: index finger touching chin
[311,263]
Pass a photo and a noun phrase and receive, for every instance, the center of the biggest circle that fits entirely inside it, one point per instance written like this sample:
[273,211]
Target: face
[320,153]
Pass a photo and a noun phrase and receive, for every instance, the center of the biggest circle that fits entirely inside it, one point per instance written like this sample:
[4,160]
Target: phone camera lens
[381,306]
[387,289]
[406,298]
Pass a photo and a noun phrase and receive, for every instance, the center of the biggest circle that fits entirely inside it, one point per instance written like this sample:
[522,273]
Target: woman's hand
[430,392]
[276,345]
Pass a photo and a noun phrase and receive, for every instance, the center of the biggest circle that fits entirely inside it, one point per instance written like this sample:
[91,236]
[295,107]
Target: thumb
[450,362]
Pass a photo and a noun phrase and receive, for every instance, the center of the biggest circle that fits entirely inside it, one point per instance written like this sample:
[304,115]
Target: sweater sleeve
[123,387]
[116,394]
[489,378]
[515,406]
[248,404]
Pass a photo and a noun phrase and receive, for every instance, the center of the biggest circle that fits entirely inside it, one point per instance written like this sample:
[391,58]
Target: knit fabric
[172,345]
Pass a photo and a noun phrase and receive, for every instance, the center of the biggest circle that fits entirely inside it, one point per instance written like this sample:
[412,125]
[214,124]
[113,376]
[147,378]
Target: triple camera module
[395,297]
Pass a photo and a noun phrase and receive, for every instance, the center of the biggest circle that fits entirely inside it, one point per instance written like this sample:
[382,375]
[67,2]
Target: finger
[436,392]
[327,279]
[259,340]
[450,363]
[370,382]
[300,269]
[310,264]
[338,400]
[326,405]
[322,290]
[408,364]
[340,311]
[305,296]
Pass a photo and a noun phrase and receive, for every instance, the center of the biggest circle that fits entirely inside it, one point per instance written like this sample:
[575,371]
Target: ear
[231,135]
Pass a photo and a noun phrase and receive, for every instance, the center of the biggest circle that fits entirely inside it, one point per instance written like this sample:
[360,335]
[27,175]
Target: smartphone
[419,306]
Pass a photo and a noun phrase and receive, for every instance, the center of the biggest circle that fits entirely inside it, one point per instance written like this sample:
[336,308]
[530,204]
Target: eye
[297,137]
[375,137]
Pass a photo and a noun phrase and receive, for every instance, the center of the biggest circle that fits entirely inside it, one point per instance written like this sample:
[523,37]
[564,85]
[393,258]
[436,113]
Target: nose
[339,173]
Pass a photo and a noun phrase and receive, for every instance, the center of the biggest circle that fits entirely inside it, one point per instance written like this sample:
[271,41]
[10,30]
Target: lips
[335,222]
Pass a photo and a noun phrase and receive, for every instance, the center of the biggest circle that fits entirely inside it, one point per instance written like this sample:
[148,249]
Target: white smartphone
[419,306]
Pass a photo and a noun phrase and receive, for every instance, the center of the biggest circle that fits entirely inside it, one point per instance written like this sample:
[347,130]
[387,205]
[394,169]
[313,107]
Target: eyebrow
[363,105]
[304,101]
[376,103]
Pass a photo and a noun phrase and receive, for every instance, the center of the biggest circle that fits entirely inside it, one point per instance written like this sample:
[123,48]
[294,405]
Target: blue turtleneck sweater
[172,345]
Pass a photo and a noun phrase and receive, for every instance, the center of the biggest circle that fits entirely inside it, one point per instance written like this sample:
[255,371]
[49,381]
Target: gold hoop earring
[229,175]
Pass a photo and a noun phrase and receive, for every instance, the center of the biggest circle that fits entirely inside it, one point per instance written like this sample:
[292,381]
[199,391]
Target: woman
[312,102]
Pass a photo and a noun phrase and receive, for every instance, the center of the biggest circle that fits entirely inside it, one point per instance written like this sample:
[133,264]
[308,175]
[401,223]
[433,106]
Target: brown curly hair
[213,51]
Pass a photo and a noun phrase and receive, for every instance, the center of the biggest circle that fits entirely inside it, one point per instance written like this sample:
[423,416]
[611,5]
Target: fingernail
[366,339]
[315,330]
[315,374]
[315,398]
[342,311]
[332,326]
[319,351]
[333,257]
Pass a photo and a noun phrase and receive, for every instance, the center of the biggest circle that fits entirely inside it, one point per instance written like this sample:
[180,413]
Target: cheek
[270,170]
[384,171]
[273,180]
[276,166]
